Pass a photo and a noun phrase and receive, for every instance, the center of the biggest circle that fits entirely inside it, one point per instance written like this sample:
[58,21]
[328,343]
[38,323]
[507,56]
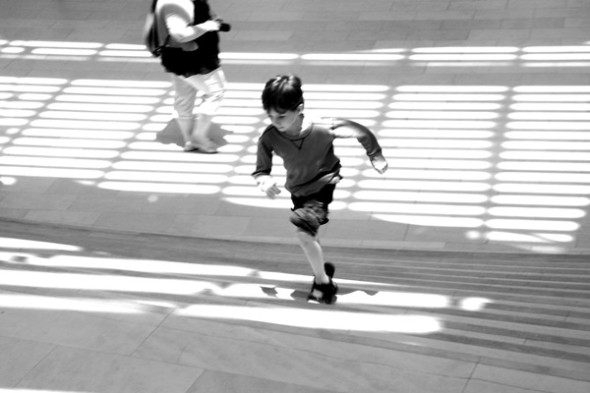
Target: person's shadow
[171,134]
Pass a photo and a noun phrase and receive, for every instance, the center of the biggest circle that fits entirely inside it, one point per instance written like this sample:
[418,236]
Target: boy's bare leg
[313,251]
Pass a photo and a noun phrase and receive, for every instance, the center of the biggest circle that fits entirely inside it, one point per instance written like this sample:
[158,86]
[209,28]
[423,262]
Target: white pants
[212,87]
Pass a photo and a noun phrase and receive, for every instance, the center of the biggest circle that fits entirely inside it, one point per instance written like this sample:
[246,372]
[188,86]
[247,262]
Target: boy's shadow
[171,134]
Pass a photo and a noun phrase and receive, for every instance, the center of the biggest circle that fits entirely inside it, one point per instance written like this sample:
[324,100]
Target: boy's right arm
[268,185]
[261,174]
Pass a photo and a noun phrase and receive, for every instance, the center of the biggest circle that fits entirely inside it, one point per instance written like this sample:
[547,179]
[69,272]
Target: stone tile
[352,347]
[529,381]
[263,208]
[405,245]
[339,212]
[67,369]
[487,34]
[440,35]
[533,4]
[416,233]
[12,213]
[268,15]
[471,24]
[549,23]
[374,230]
[137,222]
[76,329]
[86,219]
[232,383]
[28,185]
[18,358]
[475,386]
[252,340]
[31,201]
[209,226]
[279,227]
[478,5]
[577,22]
[261,35]
[505,14]
[285,27]
[69,186]
[558,34]
[448,15]
[299,366]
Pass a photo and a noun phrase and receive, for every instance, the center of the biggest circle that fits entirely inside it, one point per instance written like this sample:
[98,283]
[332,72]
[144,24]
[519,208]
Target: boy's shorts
[325,196]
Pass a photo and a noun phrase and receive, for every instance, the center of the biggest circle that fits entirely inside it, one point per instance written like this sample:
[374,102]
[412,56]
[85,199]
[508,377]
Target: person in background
[191,54]
[313,170]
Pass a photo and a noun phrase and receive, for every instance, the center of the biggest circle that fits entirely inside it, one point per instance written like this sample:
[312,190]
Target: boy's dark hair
[282,93]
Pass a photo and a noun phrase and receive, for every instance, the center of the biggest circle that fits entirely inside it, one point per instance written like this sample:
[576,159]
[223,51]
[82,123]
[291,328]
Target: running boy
[313,170]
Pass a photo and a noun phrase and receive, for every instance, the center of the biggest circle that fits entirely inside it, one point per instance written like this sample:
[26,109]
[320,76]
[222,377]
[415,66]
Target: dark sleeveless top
[201,61]
[209,42]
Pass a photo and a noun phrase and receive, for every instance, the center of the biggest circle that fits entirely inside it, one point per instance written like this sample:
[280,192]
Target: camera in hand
[225,27]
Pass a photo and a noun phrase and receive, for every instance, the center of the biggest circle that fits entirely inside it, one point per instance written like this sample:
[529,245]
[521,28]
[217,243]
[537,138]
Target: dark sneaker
[323,293]
[330,269]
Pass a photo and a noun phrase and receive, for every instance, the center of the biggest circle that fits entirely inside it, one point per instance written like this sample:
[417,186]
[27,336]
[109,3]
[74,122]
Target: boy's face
[286,121]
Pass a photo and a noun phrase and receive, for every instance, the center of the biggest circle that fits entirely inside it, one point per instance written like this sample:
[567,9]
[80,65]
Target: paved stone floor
[129,265]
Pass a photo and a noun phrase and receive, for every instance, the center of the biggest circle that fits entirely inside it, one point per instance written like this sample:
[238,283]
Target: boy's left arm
[343,128]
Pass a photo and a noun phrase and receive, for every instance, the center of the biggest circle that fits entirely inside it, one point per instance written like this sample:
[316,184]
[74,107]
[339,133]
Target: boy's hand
[268,186]
[380,164]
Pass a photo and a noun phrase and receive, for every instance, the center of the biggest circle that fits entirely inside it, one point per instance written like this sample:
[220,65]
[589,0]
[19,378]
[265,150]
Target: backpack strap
[153,11]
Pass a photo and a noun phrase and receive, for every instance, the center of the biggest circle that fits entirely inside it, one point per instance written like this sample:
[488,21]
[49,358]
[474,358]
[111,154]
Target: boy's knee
[305,221]
[309,217]
[305,237]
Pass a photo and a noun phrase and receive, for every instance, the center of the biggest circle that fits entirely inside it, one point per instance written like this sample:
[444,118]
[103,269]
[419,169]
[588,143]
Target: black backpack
[150,33]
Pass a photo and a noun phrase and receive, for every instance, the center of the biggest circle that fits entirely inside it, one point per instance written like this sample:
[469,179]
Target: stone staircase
[461,321]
